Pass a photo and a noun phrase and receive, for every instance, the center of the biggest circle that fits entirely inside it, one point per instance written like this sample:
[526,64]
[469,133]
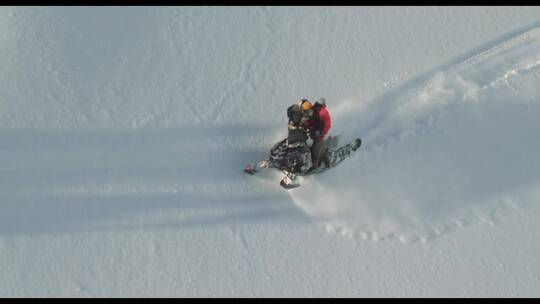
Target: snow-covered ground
[124,130]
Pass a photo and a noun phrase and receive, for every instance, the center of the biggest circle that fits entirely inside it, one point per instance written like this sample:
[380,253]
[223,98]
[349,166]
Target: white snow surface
[124,131]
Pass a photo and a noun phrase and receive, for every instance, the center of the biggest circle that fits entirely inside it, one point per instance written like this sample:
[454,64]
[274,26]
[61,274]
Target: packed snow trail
[458,148]
[123,179]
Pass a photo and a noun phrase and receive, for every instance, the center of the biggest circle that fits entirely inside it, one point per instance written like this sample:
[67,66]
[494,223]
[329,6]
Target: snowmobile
[292,156]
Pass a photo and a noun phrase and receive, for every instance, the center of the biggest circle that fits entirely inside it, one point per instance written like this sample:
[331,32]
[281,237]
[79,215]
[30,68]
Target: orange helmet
[305,105]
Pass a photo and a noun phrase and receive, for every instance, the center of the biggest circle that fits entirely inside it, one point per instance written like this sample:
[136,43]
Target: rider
[314,118]
[299,113]
[318,125]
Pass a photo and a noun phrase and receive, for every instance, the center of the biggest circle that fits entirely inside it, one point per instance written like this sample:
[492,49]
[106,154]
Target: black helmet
[321,101]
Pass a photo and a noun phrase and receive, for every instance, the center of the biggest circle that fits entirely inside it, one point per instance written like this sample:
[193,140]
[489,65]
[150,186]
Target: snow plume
[432,150]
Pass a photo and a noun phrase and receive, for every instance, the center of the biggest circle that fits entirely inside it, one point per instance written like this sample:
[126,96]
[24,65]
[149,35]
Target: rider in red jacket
[318,126]
[320,123]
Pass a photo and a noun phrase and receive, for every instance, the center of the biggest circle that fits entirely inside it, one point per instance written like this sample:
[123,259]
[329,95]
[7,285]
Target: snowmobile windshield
[296,135]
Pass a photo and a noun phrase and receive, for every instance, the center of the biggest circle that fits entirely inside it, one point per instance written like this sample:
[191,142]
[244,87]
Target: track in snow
[451,148]
[70,181]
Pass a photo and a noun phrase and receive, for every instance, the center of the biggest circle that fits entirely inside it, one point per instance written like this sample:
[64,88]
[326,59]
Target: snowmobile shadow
[61,181]
[97,212]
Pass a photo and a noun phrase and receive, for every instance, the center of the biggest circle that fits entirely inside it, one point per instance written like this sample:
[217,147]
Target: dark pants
[317,151]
